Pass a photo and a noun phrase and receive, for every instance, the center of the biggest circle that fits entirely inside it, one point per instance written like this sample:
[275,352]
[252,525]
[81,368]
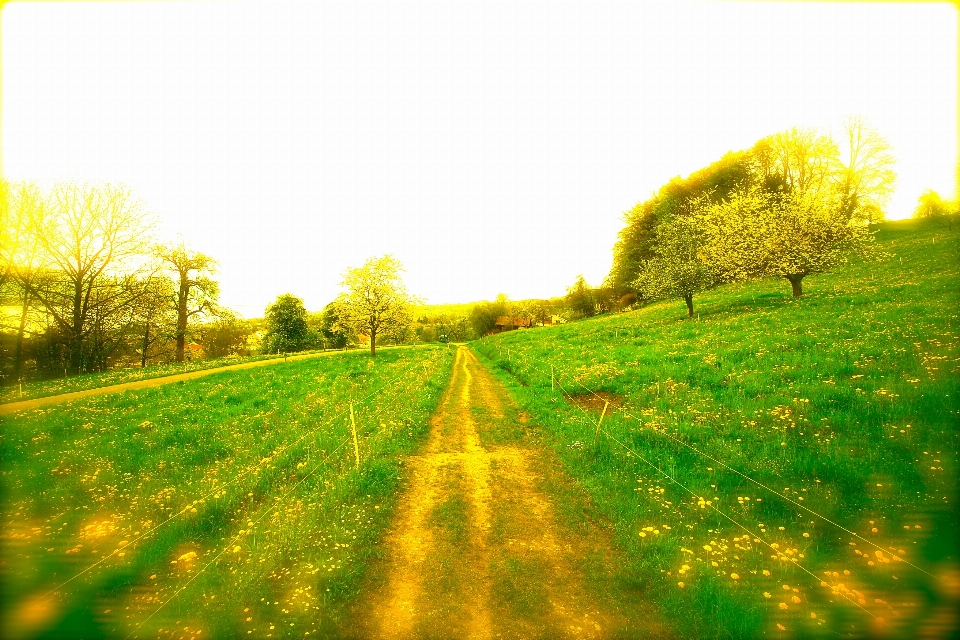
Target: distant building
[508,323]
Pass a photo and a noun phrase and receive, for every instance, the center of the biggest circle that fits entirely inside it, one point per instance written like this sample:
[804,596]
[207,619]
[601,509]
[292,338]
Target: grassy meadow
[776,466]
[228,506]
[56,386]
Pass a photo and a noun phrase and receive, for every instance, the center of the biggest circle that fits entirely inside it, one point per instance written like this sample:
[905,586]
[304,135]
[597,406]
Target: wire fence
[326,457]
[289,457]
[556,375]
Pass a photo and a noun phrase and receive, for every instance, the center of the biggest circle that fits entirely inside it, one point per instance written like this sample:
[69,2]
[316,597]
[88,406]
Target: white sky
[490,146]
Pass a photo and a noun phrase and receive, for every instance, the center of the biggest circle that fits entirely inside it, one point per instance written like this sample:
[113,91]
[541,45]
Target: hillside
[775,464]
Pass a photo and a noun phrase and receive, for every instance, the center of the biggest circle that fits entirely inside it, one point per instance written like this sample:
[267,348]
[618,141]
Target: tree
[788,235]
[801,160]
[932,206]
[679,268]
[287,329]
[332,331]
[580,299]
[866,177]
[197,291]
[483,316]
[376,301]
[93,234]
[8,233]
[225,336]
[156,318]
[25,213]
[636,241]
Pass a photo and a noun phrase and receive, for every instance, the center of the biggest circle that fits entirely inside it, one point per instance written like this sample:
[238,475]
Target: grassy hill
[776,465]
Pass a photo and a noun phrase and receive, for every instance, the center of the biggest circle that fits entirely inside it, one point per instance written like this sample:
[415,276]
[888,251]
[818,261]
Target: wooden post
[356,448]
[597,434]
[551,377]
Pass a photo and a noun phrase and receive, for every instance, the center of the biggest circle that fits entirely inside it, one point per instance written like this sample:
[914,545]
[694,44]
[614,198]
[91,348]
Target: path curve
[34,403]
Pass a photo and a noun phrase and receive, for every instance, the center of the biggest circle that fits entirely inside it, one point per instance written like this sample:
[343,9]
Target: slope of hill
[776,464]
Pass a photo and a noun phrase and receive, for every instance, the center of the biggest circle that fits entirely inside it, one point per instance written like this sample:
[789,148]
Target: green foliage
[932,206]
[332,331]
[580,299]
[849,401]
[636,242]
[678,268]
[790,206]
[226,336]
[790,235]
[287,330]
[483,317]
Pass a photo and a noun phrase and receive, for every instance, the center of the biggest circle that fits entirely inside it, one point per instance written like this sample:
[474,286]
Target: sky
[492,147]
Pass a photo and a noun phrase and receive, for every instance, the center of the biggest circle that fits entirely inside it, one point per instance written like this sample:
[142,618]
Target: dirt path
[477,549]
[13,407]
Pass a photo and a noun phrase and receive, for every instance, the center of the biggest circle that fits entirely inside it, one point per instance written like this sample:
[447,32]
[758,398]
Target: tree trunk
[689,300]
[182,316]
[795,282]
[18,350]
[373,343]
[76,331]
[146,343]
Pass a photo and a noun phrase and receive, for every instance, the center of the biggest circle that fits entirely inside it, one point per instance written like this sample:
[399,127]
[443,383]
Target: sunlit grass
[844,401]
[214,507]
[42,388]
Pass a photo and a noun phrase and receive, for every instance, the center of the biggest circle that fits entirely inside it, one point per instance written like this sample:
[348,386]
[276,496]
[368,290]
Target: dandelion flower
[734,576]
[783,605]
[680,584]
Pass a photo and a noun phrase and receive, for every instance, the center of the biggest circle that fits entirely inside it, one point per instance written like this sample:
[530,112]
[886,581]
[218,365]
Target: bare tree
[25,212]
[804,159]
[155,315]
[94,233]
[197,292]
[866,179]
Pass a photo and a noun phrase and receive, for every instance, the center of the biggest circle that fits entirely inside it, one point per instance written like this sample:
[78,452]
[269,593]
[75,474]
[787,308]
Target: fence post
[353,428]
[597,434]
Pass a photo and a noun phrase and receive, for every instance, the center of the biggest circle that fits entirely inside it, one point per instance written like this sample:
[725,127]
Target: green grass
[43,388]
[844,401]
[284,526]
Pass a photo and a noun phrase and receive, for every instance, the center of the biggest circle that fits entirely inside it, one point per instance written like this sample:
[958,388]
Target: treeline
[797,203]
[84,286]
[933,207]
